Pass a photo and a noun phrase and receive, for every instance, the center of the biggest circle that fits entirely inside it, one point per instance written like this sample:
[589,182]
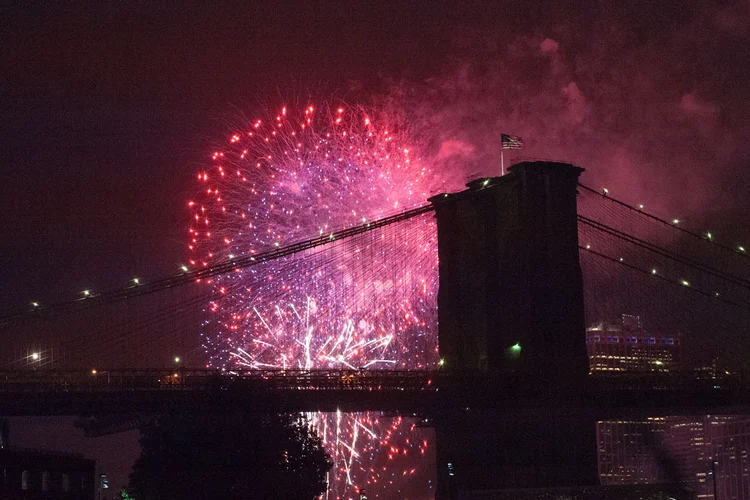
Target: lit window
[66,483]
[25,480]
[45,481]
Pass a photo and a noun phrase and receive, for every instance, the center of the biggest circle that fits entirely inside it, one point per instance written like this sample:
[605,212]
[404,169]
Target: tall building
[730,443]
[689,446]
[708,454]
[625,346]
[627,450]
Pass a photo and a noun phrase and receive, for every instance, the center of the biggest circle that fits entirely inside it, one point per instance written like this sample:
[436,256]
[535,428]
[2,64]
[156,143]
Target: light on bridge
[93,372]
[136,281]
[35,356]
[86,293]
[514,351]
[675,221]
[35,304]
[176,359]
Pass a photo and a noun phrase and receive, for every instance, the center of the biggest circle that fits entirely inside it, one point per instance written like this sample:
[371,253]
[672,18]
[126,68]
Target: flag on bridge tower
[511,142]
[508,142]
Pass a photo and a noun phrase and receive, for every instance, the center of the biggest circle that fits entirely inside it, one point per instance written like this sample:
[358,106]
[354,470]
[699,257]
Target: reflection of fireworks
[365,302]
[375,453]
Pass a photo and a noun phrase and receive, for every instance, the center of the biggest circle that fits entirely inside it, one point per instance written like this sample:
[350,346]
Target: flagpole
[502,162]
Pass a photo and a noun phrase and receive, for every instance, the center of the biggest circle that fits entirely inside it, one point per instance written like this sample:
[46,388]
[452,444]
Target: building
[625,346]
[690,448]
[627,451]
[730,443]
[27,474]
[707,454]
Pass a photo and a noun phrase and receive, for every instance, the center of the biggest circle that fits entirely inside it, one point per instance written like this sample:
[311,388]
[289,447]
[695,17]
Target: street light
[94,372]
[35,356]
[176,359]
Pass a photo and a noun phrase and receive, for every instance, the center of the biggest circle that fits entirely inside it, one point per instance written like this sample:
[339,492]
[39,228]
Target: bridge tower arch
[511,316]
[511,291]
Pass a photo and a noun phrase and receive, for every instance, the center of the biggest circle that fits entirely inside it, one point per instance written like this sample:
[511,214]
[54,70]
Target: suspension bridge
[526,264]
[521,258]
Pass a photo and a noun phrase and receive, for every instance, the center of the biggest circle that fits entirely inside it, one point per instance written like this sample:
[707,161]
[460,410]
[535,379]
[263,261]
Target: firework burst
[364,303]
[367,302]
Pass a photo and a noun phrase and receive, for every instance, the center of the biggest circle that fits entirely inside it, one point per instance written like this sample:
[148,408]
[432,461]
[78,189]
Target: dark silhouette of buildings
[27,474]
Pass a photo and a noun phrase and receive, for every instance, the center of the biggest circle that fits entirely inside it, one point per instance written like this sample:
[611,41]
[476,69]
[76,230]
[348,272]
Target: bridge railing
[45,381]
[71,381]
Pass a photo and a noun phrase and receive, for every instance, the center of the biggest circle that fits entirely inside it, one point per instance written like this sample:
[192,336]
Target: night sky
[109,109]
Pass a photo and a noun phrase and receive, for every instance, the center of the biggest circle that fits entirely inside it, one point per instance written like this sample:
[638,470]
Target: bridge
[426,393]
[526,262]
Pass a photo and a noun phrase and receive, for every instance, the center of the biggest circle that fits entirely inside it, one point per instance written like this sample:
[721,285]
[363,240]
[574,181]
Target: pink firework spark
[368,302]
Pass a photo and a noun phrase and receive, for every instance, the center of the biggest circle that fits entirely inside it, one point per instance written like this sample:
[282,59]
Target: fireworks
[381,455]
[354,304]
[367,302]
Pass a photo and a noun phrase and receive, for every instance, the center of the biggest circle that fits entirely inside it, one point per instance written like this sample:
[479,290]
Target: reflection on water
[386,456]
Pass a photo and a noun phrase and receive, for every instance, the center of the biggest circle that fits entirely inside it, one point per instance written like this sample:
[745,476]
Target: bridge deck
[427,393]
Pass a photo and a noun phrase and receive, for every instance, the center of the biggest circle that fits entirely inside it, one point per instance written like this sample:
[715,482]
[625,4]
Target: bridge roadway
[117,392]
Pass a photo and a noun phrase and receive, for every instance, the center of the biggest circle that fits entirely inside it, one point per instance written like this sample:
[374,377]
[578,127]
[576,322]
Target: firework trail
[379,454]
[358,304]
[366,302]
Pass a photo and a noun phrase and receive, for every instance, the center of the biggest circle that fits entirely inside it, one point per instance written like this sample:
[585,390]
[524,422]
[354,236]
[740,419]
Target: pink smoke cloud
[549,46]
[455,148]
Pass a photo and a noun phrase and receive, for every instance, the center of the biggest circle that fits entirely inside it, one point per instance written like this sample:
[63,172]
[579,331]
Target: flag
[511,142]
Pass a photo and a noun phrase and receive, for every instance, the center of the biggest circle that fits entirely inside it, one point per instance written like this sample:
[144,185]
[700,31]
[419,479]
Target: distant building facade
[625,346]
[625,451]
[730,442]
[708,454]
